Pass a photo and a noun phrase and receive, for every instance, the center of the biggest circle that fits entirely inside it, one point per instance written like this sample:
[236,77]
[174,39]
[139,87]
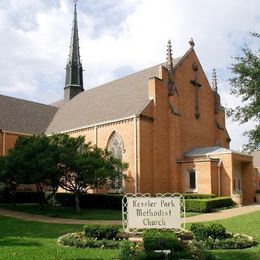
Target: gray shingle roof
[201,151]
[18,115]
[118,99]
[204,151]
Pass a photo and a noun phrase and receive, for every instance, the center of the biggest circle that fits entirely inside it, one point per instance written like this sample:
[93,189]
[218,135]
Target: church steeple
[74,70]
[171,85]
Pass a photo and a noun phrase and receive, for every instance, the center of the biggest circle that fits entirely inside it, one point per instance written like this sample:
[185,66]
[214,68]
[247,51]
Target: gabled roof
[202,151]
[118,99]
[22,116]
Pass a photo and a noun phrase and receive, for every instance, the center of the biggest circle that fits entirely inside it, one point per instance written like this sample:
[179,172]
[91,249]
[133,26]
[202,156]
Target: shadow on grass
[18,242]
[10,227]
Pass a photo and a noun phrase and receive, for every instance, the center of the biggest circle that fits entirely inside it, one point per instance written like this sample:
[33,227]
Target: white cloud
[114,34]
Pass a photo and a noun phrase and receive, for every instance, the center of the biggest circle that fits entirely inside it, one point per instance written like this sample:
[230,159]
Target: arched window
[116,147]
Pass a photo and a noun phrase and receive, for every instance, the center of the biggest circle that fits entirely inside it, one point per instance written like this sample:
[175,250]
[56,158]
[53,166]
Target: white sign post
[141,211]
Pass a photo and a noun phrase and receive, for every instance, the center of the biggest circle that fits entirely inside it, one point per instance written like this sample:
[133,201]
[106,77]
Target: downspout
[96,136]
[135,154]
[219,164]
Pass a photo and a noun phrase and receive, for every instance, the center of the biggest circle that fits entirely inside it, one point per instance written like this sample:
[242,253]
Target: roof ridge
[28,101]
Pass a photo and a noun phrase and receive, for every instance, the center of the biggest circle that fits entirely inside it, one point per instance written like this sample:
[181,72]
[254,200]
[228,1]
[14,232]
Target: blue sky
[117,38]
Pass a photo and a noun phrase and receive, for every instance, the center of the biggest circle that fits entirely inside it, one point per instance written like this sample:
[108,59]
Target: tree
[246,84]
[84,166]
[34,161]
[8,178]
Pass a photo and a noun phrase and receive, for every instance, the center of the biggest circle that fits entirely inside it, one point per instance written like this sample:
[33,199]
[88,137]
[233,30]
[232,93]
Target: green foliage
[197,251]
[155,239]
[106,201]
[246,84]
[198,196]
[100,232]
[84,166]
[203,232]
[214,236]
[79,240]
[257,191]
[208,205]
[232,242]
[131,251]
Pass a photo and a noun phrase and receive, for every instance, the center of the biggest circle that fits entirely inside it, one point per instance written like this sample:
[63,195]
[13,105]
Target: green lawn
[31,240]
[248,224]
[67,212]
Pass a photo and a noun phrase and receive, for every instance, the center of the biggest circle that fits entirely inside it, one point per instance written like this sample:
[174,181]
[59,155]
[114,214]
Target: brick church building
[166,121]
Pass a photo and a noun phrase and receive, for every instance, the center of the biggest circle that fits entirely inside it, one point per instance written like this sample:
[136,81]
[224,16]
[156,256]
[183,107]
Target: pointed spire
[171,86]
[214,81]
[74,70]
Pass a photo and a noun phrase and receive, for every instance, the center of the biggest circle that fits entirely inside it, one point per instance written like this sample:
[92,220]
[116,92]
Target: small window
[192,178]
[259,184]
[234,184]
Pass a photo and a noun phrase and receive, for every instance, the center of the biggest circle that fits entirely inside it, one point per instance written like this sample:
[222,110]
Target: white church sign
[141,211]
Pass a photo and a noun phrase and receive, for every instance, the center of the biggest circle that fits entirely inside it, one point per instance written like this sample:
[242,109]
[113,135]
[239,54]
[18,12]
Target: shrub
[79,240]
[196,250]
[155,239]
[198,196]
[100,232]
[200,231]
[208,205]
[131,251]
[217,231]
[257,191]
[98,201]
[213,231]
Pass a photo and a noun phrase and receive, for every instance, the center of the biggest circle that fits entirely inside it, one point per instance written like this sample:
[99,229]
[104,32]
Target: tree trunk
[77,203]
[41,198]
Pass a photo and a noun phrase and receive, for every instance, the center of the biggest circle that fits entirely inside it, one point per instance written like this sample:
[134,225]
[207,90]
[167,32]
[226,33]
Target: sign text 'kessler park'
[149,212]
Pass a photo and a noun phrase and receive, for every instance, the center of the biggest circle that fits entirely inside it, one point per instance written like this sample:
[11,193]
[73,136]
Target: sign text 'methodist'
[147,212]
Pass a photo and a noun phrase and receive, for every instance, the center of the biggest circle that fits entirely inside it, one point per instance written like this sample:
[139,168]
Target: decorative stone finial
[214,81]
[191,43]
[171,86]
[169,56]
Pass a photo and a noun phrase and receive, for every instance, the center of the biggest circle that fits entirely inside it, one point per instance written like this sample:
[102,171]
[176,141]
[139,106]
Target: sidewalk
[223,214]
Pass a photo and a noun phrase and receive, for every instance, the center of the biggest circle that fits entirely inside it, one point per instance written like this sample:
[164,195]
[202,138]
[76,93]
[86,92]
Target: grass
[248,224]
[31,240]
[25,240]
[67,212]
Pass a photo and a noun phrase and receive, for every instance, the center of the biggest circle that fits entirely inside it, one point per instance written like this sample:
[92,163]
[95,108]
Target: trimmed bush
[97,201]
[198,196]
[208,205]
[155,239]
[79,240]
[213,231]
[100,232]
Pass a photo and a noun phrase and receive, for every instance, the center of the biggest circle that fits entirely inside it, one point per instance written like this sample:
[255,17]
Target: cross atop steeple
[74,70]
[214,81]
[171,85]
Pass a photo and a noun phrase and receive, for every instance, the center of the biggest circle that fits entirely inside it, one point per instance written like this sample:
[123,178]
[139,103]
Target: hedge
[208,205]
[198,196]
[98,201]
